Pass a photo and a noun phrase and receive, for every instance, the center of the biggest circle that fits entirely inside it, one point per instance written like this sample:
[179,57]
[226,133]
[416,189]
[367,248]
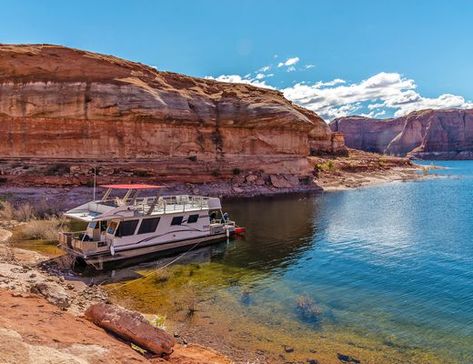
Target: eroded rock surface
[427,134]
[62,104]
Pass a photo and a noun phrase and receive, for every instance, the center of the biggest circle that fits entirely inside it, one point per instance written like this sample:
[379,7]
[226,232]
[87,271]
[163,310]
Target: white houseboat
[129,226]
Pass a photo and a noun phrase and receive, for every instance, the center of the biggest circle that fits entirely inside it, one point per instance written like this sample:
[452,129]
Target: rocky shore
[363,169]
[352,170]
[42,319]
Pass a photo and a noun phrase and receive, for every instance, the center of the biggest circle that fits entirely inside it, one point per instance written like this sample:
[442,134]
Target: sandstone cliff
[64,104]
[427,134]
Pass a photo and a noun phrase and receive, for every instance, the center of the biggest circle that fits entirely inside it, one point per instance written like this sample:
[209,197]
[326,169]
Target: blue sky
[396,56]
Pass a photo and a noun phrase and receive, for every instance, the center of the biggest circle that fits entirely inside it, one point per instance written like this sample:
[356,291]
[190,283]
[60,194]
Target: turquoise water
[394,262]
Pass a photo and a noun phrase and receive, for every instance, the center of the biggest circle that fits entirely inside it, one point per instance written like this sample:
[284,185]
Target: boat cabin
[123,220]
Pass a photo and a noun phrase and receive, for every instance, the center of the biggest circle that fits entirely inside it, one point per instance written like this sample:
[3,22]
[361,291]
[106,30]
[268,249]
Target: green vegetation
[158,321]
[58,169]
[327,166]
[44,229]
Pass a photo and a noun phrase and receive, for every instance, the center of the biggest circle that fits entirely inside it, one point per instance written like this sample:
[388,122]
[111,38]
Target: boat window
[192,218]
[177,220]
[112,227]
[148,225]
[126,228]
[103,225]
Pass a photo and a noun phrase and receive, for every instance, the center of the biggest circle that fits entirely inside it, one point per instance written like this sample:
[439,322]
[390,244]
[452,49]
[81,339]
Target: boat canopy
[132,187]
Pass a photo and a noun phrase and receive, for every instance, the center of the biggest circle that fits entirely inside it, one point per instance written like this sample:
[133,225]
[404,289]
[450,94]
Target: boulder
[53,292]
[284,181]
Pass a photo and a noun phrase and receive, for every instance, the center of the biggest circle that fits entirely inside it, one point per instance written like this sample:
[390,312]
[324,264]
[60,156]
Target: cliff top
[417,113]
[28,63]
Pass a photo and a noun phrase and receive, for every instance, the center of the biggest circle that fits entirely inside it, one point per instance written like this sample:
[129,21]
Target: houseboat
[124,226]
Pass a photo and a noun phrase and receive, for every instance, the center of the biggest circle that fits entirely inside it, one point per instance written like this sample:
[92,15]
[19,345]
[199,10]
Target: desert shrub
[24,212]
[3,180]
[88,183]
[161,276]
[44,208]
[58,169]
[46,229]
[142,173]
[7,211]
[192,158]
[158,321]
[305,180]
[326,166]
[236,171]
[307,308]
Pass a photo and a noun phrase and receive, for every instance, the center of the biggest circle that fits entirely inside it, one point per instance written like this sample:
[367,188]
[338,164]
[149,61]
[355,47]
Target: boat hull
[126,257]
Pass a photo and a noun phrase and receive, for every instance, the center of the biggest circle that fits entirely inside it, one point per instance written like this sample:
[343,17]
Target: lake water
[383,273]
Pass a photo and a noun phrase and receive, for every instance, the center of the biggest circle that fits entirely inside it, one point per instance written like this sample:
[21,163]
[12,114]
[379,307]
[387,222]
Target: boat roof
[132,187]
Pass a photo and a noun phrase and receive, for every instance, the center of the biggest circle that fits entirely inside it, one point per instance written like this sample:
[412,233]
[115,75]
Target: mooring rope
[158,269]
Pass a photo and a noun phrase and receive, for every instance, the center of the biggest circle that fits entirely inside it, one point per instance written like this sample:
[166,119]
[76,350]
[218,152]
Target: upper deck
[130,205]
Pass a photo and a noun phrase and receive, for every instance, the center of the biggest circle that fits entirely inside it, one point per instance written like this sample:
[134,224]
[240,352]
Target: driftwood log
[131,326]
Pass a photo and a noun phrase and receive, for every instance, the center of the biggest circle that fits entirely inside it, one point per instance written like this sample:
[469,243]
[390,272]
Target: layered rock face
[427,134]
[58,103]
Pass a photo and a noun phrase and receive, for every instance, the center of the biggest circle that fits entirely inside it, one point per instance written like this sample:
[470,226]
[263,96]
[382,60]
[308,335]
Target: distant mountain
[426,134]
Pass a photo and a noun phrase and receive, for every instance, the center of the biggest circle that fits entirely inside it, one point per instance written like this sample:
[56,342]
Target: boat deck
[145,206]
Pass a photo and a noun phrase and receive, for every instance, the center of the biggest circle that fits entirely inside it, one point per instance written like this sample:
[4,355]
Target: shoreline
[58,199]
[19,277]
[43,313]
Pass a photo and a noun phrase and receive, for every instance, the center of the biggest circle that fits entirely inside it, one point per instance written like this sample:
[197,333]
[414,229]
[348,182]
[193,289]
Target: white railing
[162,203]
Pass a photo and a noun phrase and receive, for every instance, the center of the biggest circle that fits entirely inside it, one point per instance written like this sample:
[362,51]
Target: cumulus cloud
[289,62]
[381,95]
[382,91]
[247,79]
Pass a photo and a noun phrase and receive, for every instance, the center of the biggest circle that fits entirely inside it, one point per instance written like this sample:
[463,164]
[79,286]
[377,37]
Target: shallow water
[386,273]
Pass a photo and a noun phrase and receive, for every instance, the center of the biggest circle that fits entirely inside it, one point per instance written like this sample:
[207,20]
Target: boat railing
[79,240]
[160,203]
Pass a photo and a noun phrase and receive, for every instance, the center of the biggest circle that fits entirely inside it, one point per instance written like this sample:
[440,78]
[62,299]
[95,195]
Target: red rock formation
[131,326]
[427,134]
[61,103]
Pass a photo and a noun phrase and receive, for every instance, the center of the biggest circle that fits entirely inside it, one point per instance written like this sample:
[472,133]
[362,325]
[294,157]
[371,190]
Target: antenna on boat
[95,182]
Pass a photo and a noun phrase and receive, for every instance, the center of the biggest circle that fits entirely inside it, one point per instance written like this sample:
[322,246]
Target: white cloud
[289,62]
[377,96]
[382,91]
[239,79]
[308,66]
[334,82]
[264,69]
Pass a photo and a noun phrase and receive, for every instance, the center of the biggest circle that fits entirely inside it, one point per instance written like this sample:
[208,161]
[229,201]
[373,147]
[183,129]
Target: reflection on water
[384,274]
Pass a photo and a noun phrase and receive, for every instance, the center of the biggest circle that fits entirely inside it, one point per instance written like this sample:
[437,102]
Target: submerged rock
[347,359]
